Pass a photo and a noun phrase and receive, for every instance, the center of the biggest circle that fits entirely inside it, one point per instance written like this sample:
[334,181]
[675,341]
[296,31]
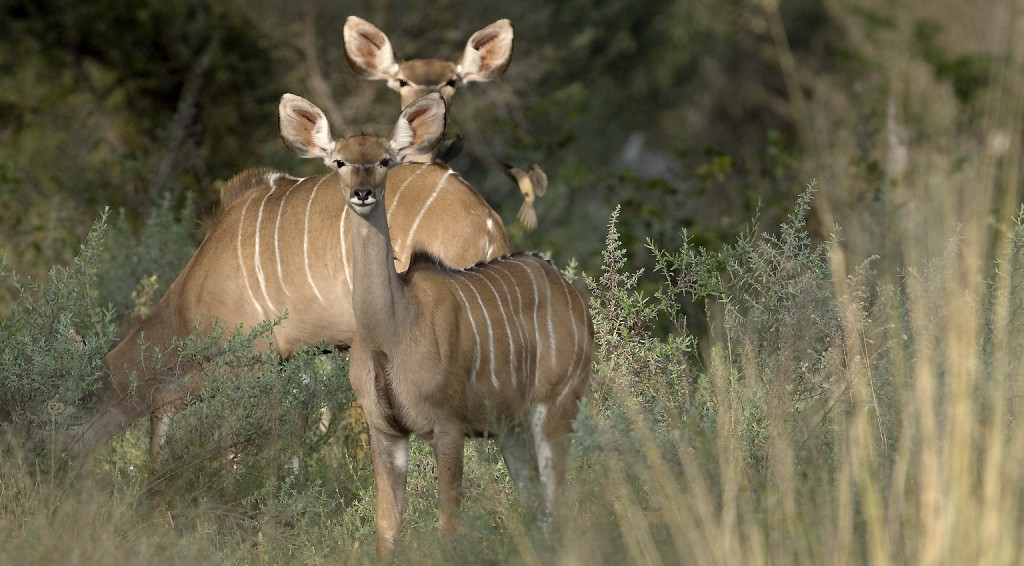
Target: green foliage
[53,341]
[145,261]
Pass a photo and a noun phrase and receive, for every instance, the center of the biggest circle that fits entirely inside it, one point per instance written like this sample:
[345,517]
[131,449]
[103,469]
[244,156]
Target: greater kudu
[503,348]
[280,244]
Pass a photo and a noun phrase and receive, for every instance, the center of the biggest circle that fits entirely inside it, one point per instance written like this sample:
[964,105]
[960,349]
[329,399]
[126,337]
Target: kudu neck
[379,298]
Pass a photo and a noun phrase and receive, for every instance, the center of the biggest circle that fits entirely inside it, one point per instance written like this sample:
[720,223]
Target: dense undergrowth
[825,416]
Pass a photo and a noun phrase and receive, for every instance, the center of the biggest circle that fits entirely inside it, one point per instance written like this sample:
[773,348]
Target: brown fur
[447,353]
[215,285]
[248,180]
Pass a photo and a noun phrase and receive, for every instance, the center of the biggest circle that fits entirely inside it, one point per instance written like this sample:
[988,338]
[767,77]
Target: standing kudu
[280,244]
[503,348]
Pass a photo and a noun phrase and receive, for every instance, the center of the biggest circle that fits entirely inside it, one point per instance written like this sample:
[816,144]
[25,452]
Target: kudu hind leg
[517,449]
[551,440]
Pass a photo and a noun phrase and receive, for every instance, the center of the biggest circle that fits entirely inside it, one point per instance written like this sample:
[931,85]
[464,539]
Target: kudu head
[369,53]
[362,161]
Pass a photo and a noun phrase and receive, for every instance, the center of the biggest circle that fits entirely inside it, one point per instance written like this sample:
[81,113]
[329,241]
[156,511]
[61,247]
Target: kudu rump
[280,244]
[503,348]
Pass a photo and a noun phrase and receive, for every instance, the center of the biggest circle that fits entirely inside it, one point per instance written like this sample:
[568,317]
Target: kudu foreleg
[160,422]
[390,455]
[449,448]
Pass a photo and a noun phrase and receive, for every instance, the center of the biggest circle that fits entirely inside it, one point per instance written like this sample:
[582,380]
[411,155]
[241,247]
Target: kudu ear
[420,127]
[368,50]
[304,127]
[487,54]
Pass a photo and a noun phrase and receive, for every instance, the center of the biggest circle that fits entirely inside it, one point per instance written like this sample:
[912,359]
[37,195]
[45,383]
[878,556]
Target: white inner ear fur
[322,135]
[385,62]
[402,137]
[470,63]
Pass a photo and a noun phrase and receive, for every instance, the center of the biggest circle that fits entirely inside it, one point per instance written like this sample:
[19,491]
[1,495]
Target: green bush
[53,342]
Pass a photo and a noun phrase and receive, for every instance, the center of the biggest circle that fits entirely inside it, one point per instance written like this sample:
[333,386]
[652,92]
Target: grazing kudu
[281,244]
[502,348]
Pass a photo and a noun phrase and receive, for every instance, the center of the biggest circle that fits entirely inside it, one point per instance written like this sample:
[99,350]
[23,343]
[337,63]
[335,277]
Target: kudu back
[280,244]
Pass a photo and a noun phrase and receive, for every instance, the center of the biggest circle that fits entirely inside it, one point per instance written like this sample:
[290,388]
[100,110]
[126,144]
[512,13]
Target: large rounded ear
[420,127]
[487,54]
[368,50]
[304,127]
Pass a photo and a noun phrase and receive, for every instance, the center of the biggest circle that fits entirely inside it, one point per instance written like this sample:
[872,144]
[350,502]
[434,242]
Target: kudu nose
[363,195]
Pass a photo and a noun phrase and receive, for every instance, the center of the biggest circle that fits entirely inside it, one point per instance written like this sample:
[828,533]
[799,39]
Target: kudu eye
[403,83]
[451,83]
[339,163]
[385,163]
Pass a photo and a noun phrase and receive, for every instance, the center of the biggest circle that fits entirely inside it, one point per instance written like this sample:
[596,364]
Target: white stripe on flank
[305,239]
[277,238]
[256,249]
[241,261]
[573,371]
[551,325]
[472,324]
[508,329]
[426,205]
[401,188]
[490,335]
[517,314]
[342,240]
[536,325]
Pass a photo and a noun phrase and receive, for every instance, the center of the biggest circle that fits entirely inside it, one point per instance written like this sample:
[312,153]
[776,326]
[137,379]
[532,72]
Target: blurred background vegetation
[678,111]
[783,376]
[687,114]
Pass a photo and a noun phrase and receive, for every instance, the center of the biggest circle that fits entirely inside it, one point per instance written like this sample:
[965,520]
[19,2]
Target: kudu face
[362,161]
[485,57]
